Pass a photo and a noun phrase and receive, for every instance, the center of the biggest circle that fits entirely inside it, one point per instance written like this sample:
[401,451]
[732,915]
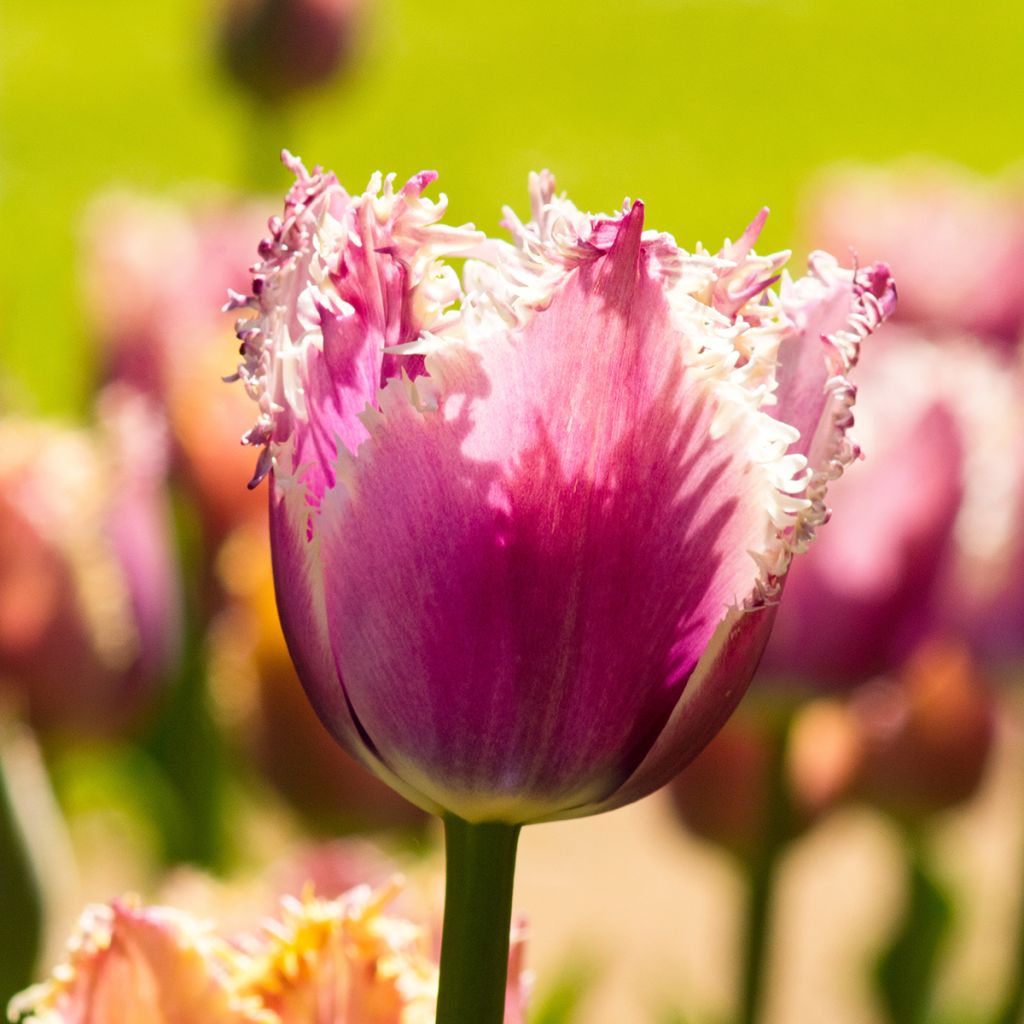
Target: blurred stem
[21,900]
[480,865]
[762,868]
[268,130]
[186,741]
[1011,1010]
[908,968]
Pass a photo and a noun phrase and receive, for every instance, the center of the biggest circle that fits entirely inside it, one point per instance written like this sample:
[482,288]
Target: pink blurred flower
[154,273]
[89,599]
[316,962]
[526,526]
[955,241]
[922,531]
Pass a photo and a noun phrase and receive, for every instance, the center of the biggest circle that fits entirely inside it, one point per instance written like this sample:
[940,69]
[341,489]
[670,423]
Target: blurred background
[852,848]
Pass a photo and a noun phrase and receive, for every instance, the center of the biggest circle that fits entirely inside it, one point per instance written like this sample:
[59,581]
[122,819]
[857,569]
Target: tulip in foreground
[529,525]
[342,961]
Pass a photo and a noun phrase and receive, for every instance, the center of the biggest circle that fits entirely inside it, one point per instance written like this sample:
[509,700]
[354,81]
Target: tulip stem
[762,872]
[480,865]
[21,897]
[1011,1009]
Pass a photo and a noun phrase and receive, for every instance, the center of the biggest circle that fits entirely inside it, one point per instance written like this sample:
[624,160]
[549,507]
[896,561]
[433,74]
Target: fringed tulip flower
[529,526]
[132,963]
[89,596]
[315,962]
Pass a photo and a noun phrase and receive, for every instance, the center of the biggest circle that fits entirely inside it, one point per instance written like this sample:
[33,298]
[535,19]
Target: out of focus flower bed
[89,586]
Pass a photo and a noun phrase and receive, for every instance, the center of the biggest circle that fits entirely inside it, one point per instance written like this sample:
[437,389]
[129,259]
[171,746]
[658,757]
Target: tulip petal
[715,688]
[831,311]
[341,279]
[564,519]
[132,964]
[299,583]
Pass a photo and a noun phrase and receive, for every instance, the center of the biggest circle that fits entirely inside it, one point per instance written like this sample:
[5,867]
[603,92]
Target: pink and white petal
[830,312]
[299,586]
[341,279]
[566,530]
[129,963]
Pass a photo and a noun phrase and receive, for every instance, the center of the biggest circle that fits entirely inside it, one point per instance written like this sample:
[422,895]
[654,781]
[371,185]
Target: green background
[707,109]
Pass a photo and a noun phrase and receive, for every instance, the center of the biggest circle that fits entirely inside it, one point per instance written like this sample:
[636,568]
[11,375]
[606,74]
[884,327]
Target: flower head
[315,962]
[89,601]
[529,526]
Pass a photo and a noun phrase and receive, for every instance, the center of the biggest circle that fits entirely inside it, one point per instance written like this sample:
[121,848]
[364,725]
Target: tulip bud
[276,48]
[89,612]
[927,733]
[723,796]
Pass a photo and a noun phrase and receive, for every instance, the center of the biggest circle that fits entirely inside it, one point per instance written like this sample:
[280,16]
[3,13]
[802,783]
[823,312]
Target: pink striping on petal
[561,523]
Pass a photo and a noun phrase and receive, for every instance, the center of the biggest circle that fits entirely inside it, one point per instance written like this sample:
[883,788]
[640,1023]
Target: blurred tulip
[276,48]
[154,275]
[923,531]
[724,796]
[89,596]
[955,241]
[288,741]
[514,589]
[926,734]
[315,962]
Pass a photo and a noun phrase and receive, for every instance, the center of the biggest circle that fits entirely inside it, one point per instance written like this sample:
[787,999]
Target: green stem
[1011,1009]
[21,899]
[763,868]
[480,866]
[909,967]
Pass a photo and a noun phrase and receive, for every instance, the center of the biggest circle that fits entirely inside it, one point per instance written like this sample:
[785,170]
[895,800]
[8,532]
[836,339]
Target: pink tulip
[923,530]
[528,527]
[89,596]
[955,241]
[130,963]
